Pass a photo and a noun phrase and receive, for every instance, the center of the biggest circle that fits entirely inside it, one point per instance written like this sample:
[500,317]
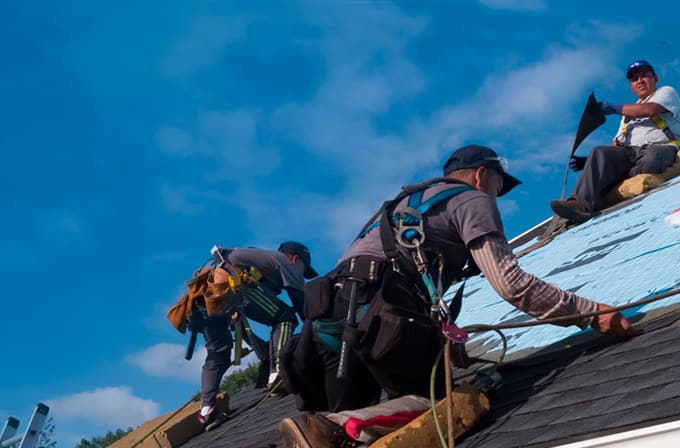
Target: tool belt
[226,286]
[219,289]
[396,331]
[180,313]
[393,323]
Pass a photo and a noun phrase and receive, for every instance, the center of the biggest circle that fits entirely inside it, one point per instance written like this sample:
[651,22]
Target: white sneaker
[273,376]
[212,419]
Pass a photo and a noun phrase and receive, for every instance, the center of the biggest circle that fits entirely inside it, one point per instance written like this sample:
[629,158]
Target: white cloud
[368,71]
[531,96]
[521,104]
[507,207]
[167,361]
[115,407]
[515,5]
[524,106]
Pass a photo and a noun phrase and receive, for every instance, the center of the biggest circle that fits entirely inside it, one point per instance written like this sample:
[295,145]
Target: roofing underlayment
[622,256]
[560,385]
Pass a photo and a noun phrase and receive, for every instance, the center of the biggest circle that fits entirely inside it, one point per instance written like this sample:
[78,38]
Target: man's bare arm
[642,110]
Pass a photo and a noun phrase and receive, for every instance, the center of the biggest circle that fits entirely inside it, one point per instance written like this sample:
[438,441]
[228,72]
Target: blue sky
[135,135]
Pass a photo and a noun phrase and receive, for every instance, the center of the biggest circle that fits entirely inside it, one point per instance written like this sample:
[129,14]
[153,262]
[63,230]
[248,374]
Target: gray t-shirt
[449,228]
[278,270]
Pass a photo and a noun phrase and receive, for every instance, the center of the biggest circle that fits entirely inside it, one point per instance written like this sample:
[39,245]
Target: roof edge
[665,434]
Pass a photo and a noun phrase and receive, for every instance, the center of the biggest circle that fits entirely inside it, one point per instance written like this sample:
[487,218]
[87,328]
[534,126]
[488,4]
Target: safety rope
[573,317]
[433,398]
[433,375]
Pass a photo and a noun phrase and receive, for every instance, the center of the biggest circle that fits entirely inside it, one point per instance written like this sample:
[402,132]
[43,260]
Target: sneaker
[571,210]
[212,420]
[273,378]
[276,387]
[314,431]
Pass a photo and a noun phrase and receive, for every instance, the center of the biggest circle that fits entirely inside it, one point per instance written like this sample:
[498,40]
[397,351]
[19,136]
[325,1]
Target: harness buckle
[410,235]
[395,264]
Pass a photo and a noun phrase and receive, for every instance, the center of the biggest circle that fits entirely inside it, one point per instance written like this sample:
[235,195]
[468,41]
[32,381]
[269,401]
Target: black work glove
[577,163]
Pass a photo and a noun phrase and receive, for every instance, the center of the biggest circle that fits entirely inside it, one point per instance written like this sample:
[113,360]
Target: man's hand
[608,109]
[577,163]
[613,323]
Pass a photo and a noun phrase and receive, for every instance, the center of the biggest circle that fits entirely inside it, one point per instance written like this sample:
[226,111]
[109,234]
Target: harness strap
[415,203]
[658,121]
[666,130]
[410,234]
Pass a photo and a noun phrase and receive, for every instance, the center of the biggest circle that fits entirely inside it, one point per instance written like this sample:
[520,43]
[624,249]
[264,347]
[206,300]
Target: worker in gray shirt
[394,340]
[283,269]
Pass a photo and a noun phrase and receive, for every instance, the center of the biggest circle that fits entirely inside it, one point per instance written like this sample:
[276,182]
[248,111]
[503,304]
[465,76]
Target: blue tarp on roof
[616,258]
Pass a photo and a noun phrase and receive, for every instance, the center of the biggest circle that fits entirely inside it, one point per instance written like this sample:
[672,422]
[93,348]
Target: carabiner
[408,233]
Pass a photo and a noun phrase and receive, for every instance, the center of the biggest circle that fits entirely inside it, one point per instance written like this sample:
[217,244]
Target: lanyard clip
[453,333]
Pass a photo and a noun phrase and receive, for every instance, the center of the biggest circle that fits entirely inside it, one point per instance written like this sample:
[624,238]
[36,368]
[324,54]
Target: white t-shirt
[643,131]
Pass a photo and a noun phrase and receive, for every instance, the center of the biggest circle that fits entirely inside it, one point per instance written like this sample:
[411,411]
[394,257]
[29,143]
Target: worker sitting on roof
[393,336]
[276,270]
[646,142]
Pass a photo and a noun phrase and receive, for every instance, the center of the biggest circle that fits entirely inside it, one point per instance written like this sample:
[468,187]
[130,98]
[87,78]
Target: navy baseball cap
[299,249]
[474,156]
[639,66]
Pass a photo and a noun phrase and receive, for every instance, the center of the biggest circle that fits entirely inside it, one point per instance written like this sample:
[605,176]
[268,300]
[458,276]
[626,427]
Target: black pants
[608,165]
[262,306]
[218,343]
[399,374]
[259,305]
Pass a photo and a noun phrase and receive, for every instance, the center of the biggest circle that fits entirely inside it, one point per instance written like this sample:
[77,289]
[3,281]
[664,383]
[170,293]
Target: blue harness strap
[415,201]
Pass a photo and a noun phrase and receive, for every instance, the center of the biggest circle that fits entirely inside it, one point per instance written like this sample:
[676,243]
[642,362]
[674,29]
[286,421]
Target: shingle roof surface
[248,427]
[584,391]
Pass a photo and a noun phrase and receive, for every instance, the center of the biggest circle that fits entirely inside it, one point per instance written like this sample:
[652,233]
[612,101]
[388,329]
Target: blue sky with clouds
[135,135]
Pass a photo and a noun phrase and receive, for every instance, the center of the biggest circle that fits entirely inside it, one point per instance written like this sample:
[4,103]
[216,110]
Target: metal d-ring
[402,229]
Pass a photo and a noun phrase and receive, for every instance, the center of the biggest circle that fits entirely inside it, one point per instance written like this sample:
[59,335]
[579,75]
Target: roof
[250,425]
[621,256]
[585,389]
[561,384]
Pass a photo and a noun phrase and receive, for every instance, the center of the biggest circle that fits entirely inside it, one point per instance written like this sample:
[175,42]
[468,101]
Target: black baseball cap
[639,66]
[299,249]
[474,156]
